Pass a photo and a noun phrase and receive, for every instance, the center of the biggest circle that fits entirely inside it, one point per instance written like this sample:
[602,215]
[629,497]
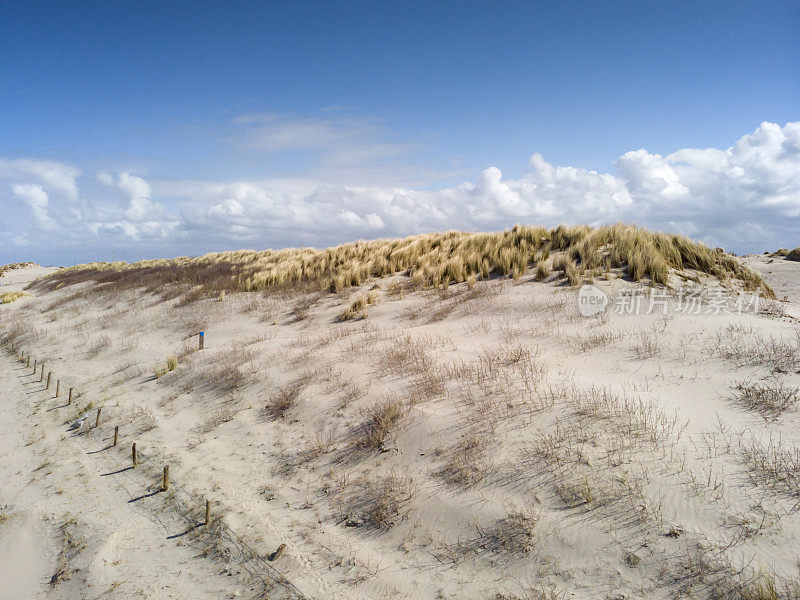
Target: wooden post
[278,553]
[49,375]
[58,387]
[207,520]
[41,375]
[34,367]
[29,360]
[116,434]
[165,485]
[133,455]
[97,420]
[70,397]
[201,340]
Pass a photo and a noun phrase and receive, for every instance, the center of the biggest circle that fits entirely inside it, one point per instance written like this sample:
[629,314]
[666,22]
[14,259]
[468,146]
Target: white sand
[524,476]
[783,275]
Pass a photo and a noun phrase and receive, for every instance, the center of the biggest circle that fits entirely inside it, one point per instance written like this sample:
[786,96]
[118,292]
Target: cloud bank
[745,197]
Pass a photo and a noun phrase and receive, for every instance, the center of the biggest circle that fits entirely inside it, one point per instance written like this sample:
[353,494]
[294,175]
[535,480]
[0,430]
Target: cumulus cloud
[745,197]
[37,199]
[47,173]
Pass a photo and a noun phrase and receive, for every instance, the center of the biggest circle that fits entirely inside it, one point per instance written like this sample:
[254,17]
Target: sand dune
[480,440]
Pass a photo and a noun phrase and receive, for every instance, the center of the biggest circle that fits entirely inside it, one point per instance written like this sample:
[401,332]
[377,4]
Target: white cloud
[37,199]
[746,197]
[53,175]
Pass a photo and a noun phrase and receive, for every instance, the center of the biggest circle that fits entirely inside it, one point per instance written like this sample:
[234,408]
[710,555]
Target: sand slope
[474,443]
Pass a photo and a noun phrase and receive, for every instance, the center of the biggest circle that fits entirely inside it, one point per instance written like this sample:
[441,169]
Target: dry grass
[9,297]
[747,346]
[770,399]
[514,533]
[646,346]
[13,266]
[774,464]
[284,400]
[379,422]
[359,305]
[467,462]
[429,260]
[380,503]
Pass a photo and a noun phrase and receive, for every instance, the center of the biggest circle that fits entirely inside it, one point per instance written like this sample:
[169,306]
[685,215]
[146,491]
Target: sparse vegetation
[514,533]
[170,365]
[379,421]
[359,305]
[381,502]
[770,398]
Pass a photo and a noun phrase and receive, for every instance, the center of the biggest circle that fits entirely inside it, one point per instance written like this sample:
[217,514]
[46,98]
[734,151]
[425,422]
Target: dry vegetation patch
[379,502]
[379,421]
[513,533]
[769,398]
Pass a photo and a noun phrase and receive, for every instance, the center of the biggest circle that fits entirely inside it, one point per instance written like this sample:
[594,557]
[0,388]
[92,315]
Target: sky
[133,130]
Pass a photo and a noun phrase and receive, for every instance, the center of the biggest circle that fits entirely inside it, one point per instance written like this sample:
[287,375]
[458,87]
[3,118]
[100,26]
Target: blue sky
[160,129]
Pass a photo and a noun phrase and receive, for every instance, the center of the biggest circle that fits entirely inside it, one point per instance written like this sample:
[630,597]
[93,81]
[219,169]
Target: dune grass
[429,260]
[9,297]
[12,266]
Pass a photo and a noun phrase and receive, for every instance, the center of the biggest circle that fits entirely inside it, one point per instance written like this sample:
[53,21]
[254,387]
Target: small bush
[379,422]
[359,305]
[283,400]
[513,533]
[767,398]
[382,502]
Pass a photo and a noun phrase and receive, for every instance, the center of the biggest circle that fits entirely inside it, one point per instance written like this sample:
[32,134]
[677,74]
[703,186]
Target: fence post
[29,360]
[208,512]
[70,397]
[97,420]
[58,387]
[133,455]
[116,434]
[278,553]
[34,366]
[41,376]
[49,375]
[201,340]
[165,485]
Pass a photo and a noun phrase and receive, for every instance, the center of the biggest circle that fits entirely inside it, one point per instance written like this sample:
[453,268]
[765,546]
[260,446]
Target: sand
[523,450]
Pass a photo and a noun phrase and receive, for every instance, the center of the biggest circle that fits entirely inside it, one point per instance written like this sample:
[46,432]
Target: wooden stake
[49,375]
[278,553]
[58,387]
[207,520]
[133,455]
[116,434]
[34,367]
[201,340]
[70,397]
[41,376]
[97,420]
[165,486]
[29,360]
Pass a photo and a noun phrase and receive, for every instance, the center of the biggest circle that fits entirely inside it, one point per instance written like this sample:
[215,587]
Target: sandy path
[63,511]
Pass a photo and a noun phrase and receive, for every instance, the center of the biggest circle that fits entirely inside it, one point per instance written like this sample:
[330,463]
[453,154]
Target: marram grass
[9,297]
[429,260]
